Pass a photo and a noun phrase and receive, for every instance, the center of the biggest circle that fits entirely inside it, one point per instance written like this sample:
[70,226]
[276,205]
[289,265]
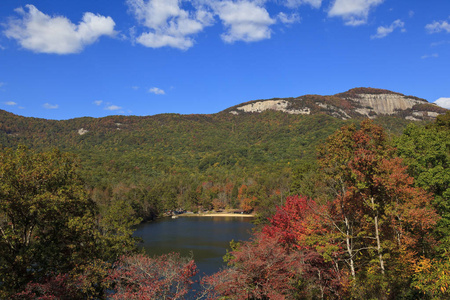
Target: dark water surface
[207,238]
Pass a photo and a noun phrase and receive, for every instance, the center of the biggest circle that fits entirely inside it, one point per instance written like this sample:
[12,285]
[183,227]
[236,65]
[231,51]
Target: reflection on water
[206,238]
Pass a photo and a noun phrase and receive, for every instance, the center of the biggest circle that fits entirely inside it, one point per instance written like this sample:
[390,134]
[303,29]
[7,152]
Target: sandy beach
[217,215]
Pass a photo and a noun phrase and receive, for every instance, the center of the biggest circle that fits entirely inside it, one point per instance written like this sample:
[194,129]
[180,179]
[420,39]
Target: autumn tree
[432,276]
[141,277]
[60,286]
[248,196]
[294,256]
[382,219]
[258,269]
[300,224]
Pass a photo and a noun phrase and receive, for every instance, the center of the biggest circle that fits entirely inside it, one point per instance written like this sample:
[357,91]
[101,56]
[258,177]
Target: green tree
[426,151]
[48,224]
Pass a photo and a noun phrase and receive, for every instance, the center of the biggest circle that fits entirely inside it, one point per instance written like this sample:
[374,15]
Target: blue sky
[66,59]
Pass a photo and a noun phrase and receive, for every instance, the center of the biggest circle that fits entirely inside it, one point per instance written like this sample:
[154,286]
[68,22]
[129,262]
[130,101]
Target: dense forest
[186,161]
[347,209]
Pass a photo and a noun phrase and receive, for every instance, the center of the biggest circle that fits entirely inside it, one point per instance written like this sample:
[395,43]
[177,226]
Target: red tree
[141,277]
[381,219]
[61,286]
[259,269]
[301,224]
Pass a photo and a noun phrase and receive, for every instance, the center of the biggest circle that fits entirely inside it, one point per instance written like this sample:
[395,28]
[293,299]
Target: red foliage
[290,222]
[381,218]
[291,257]
[54,288]
[260,269]
[141,277]
[300,224]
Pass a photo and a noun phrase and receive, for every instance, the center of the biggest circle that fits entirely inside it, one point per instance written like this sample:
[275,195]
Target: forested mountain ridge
[192,160]
[355,103]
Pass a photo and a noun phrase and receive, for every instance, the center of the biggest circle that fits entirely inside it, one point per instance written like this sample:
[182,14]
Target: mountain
[249,152]
[355,103]
[257,137]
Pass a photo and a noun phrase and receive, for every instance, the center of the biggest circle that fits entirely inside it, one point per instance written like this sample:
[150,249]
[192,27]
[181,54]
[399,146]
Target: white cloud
[297,3]
[440,43]
[438,27]
[113,107]
[443,102]
[156,91]
[411,13]
[354,12]
[288,19]
[245,21]
[385,31]
[50,106]
[135,87]
[434,55]
[2,47]
[158,40]
[2,84]
[11,103]
[42,33]
[98,102]
[169,24]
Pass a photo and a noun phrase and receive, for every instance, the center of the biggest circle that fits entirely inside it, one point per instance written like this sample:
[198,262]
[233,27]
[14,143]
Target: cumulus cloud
[434,55]
[156,91]
[50,106]
[169,24]
[135,87]
[2,84]
[288,19]
[245,21]
[98,102]
[42,33]
[385,31]
[10,103]
[443,102]
[354,12]
[113,107]
[436,27]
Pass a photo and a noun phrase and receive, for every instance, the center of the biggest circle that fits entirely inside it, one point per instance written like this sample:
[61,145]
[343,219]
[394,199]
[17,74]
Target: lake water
[206,238]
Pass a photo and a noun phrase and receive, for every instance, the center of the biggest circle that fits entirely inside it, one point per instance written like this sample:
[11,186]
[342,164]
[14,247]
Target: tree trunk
[377,235]
[349,248]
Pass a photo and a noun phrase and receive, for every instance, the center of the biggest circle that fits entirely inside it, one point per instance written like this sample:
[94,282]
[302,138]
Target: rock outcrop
[358,102]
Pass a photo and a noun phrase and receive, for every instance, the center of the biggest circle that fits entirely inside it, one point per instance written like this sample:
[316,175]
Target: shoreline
[217,215]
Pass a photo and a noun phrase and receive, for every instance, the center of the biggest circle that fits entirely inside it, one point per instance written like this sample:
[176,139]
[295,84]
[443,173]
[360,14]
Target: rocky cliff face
[281,105]
[359,102]
[386,104]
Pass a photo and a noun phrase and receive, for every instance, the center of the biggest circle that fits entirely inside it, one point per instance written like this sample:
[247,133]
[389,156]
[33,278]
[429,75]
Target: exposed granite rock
[358,102]
[280,105]
[386,104]
[82,131]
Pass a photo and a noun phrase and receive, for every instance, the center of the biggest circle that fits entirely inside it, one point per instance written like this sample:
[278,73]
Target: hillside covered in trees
[241,160]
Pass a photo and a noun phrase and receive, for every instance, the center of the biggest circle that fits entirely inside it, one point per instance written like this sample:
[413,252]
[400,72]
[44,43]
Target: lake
[206,238]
